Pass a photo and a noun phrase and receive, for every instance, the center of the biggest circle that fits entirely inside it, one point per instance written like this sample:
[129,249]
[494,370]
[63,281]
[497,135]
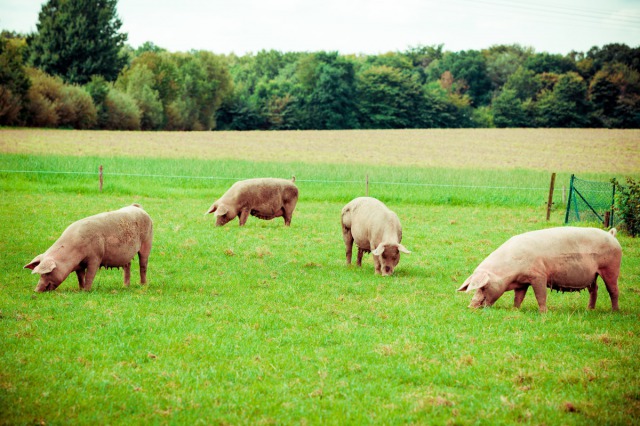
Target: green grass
[267,325]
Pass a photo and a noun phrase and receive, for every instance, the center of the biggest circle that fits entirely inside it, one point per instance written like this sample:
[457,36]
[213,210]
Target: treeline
[422,87]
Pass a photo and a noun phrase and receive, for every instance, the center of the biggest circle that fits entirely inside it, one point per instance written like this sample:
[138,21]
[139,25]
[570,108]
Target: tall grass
[267,325]
[206,178]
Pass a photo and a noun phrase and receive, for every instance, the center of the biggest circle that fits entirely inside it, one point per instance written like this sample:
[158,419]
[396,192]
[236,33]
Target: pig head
[108,239]
[563,259]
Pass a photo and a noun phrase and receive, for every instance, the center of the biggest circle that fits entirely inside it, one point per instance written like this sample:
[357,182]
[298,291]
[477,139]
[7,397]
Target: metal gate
[591,201]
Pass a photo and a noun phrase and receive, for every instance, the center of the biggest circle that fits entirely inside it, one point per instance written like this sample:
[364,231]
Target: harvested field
[568,150]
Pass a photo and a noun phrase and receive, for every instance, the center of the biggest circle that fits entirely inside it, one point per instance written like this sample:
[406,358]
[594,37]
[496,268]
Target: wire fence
[158,176]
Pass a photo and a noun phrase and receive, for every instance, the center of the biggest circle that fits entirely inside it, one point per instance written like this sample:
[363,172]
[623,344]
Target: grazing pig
[563,259]
[108,239]
[264,198]
[375,229]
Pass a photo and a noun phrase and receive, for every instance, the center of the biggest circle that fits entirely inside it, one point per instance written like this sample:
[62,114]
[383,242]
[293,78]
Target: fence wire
[433,185]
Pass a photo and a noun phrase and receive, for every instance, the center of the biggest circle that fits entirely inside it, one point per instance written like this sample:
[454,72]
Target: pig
[109,239]
[375,229]
[264,198]
[562,259]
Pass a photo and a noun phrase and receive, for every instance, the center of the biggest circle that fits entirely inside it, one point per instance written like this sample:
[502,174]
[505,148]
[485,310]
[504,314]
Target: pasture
[267,325]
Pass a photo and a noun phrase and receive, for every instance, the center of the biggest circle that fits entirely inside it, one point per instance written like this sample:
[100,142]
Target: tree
[615,94]
[14,82]
[138,83]
[469,71]
[550,63]
[564,106]
[524,82]
[508,110]
[388,98]
[77,39]
[328,88]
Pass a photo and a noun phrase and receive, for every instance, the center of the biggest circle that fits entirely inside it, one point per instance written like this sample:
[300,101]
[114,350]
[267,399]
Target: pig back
[263,194]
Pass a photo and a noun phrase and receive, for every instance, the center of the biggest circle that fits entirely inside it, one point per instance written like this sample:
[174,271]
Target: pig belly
[267,211]
[117,255]
[572,277]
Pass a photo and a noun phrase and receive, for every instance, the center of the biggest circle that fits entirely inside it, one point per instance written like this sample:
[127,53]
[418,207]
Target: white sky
[362,26]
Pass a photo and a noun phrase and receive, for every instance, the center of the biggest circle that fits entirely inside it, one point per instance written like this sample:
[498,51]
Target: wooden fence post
[367,186]
[550,202]
[101,177]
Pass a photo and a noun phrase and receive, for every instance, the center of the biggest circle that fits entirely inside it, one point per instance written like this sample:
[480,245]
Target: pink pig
[563,258]
[108,239]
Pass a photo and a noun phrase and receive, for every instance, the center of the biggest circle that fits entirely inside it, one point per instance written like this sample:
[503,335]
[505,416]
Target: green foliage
[549,63]
[121,112]
[77,39]
[389,98]
[328,92]
[509,111]
[422,87]
[53,103]
[14,82]
[138,82]
[565,105]
[628,203]
[469,72]
[615,93]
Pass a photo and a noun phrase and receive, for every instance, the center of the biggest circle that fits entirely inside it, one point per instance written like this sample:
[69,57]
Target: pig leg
[244,215]
[127,274]
[80,274]
[92,269]
[610,278]
[376,262]
[593,295]
[539,286]
[143,258]
[519,296]
[287,213]
[348,242]
[360,253]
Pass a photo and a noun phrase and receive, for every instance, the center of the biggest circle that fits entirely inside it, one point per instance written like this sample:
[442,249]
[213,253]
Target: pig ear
[403,249]
[221,211]
[44,267]
[378,251]
[35,262]
[212,209]
[475,281]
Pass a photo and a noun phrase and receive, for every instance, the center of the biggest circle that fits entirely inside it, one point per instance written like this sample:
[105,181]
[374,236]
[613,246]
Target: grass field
[267,325]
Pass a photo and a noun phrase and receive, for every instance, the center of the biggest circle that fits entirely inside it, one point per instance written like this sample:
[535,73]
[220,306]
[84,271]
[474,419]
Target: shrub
[76,109]
[121,112]
[43,96]
[53,103]
[10,106]
[628,203]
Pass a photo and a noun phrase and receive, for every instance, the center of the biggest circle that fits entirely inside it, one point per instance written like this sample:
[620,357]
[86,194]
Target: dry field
[568,150]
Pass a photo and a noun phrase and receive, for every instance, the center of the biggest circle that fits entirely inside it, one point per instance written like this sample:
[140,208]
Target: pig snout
[45,285]
[480,300]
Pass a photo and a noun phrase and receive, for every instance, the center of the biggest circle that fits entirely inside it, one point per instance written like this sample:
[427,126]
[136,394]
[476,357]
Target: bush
[628,203]
[121,112]
[42,98]
[53,103]
[10,106]
[76,109]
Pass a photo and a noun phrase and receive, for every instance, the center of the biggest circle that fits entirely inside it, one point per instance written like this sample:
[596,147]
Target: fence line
[433,185]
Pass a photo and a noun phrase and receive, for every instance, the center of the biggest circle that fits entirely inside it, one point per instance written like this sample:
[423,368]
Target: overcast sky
[362,26]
